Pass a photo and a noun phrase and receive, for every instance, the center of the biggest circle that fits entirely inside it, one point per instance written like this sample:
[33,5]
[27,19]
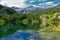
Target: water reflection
[23,35]
[11,29]
[30,33]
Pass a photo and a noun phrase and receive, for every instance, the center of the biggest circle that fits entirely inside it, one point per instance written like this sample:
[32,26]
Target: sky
[25,3]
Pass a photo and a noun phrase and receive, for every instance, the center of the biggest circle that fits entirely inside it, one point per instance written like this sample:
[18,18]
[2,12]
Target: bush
[2,22]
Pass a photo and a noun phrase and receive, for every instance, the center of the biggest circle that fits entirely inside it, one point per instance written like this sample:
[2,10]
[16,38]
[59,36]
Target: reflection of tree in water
[12,27]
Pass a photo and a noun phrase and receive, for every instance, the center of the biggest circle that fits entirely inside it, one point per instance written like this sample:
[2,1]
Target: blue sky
[25,3]
[42,2]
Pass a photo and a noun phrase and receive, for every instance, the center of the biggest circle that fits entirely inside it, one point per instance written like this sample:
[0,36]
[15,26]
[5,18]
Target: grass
[50,33]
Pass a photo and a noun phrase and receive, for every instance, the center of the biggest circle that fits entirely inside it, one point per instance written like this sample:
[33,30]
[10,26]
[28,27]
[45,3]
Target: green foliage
[13,21]
[2,22]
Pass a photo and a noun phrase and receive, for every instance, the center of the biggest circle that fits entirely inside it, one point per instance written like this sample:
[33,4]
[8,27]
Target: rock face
[58,6]
[58,17]
[17,9]
[31,9]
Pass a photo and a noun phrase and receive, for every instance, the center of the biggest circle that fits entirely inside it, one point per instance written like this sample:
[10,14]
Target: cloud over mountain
[18,3]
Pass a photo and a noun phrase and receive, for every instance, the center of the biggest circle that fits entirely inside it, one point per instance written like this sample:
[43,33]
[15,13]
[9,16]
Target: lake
[19,32]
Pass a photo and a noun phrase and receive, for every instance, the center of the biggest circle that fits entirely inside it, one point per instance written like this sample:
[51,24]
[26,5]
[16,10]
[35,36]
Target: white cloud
[49,3]
[32,1]
[18,3]
[21,3]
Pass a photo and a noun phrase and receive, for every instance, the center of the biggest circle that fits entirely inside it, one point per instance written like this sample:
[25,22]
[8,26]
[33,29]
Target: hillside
[6,10]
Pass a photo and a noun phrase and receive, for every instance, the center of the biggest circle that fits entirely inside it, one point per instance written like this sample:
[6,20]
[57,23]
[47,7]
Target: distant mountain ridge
[32,9]
[29,9]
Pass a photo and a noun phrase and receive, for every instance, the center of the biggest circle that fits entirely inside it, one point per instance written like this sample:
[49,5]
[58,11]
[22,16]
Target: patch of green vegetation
[50,33]
[13,21]
[2,22]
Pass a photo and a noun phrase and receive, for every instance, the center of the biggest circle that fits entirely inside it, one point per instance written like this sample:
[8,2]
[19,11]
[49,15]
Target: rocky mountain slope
[32,9]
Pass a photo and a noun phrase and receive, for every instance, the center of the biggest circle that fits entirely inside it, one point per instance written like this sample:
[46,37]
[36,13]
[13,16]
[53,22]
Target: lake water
[29,34]
[23,35]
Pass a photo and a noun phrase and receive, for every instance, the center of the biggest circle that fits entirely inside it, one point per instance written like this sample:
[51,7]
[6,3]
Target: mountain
[58,6]
[6,10]
[32,9]
[29,9]
[1,6]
